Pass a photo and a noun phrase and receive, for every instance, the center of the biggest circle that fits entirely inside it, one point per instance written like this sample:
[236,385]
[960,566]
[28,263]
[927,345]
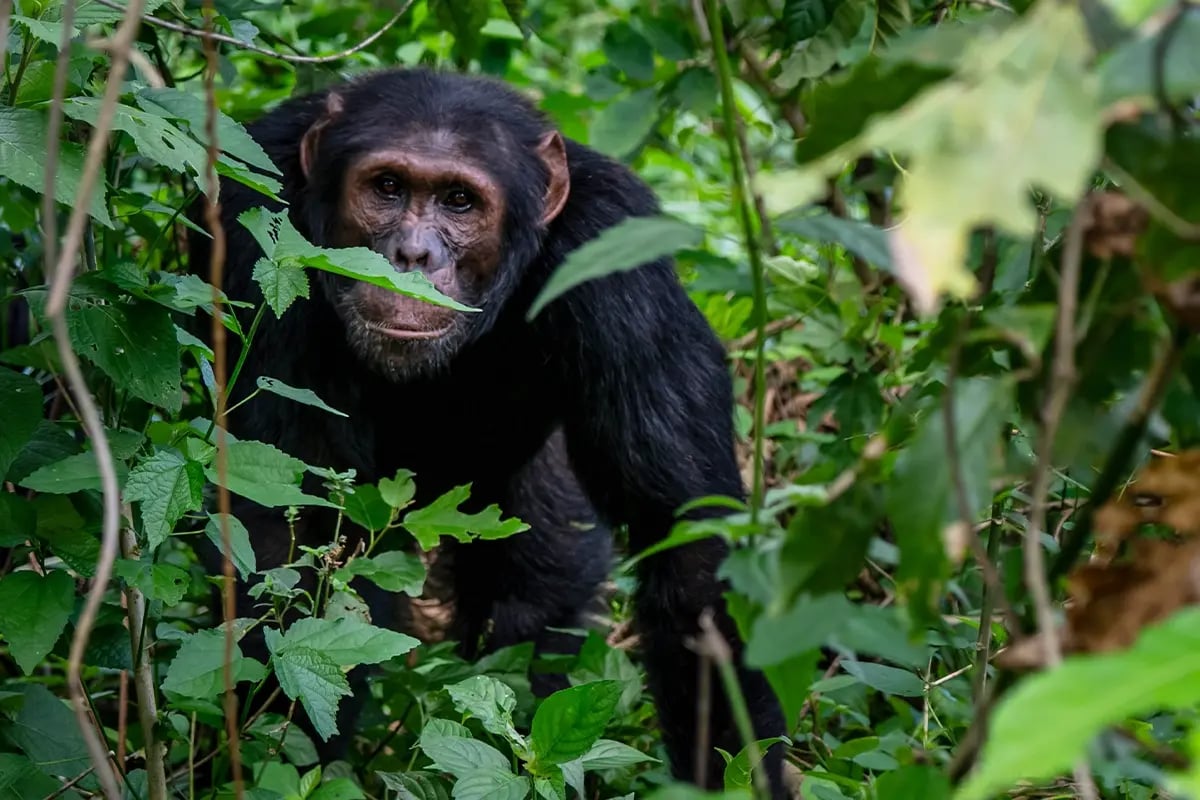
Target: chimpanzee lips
[409,333]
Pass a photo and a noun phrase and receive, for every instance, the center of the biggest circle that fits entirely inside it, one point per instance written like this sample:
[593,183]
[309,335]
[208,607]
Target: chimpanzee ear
[553,153]
[312,137]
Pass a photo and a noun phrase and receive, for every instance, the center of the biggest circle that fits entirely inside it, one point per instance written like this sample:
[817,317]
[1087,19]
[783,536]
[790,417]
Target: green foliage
[913,170]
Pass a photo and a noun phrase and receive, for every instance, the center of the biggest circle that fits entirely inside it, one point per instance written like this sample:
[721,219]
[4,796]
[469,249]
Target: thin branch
[741,190]
[143,677]
[5,20]
[1062,381]
[60,275]
[216,266]
[212,36]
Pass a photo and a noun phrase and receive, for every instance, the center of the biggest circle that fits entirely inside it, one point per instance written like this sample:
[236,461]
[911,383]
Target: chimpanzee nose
[412,255]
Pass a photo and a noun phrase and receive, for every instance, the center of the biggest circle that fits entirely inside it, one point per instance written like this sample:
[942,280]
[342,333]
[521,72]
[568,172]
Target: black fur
[622,376]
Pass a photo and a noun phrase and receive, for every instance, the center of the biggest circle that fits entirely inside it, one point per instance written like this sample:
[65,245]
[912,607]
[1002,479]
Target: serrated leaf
[347,642]
[491,784]
[231,136]
[303,396]
[20,778]
[625,246]
[804,626]
[414,785]
[1084,695]
[460,755]
[34,609]
[568,722]
[23,158]
[165,582]
[282,283]
[91,12]
[266,475]
[45,729]
[168,486]
[18,520]
[134,344]
[489,701]
[803,19]
[281,242]
[313,678]
[21,399]
[76,473]
[624,124]
[393,571]
[891,18]
[442,518]
[607,754]
[243,553]
[156,138]
[198,668]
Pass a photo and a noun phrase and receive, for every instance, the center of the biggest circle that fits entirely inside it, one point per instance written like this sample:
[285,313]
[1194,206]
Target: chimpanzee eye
[458,200]
[388,185]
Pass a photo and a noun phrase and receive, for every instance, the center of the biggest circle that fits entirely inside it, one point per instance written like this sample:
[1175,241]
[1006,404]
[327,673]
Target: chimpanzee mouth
[409,334]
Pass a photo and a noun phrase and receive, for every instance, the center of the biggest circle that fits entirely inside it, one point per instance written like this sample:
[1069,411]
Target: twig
[212,36]
[703,717]
[60,277]
[712,646]
[983,642]
[1062,381]
[742,190]
[5,18]
[143,677]
[216,266]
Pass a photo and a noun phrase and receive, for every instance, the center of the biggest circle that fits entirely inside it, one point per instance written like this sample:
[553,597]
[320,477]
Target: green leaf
[45,729]
[415,785]
[312,677]
[165,582]
[281,242]
[366,507]
[23,158]
[860,238]
[804,19]
[625,246]
[892,17]
[155,138]
[337,789]
[459,754]
[607,754]
[91,12]
[231,136]
[34,609]
[21,399]
[489,701]
[266,475]
[442,518]
[197,670]
[21,779]
[282,283]
[568,722]
[398,491]
[168,486]
[134,344]
[921,498]
[75,473]
[889,680]
[392,571]
[491,784]
[346,642]
[1083,696]
[1129,73]
[623,124]
[243,553]
[916,780]
[803,627]
[303,396]
[18,520]
[465,20]
[628,51]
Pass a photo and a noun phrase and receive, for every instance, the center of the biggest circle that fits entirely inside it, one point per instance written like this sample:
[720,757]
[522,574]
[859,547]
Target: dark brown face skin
[424,205]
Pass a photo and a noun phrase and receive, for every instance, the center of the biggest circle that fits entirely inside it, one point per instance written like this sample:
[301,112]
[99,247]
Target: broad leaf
[442,517]
[282,283]
[625,246]
[1083,696]
[624,124]
[394,571]
[312,677]
[168,486]
[23,159]
[198,668]
[303,396]
[135,345]
[607,754]
[34,609]
[165,582]
[76,473]
[489,701]
[266,475]
[346,642]
[459,754]
[415,785]
[243,553]
[568,722]
[21,399]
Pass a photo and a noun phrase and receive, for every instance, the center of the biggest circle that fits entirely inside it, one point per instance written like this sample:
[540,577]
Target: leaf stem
[741,191]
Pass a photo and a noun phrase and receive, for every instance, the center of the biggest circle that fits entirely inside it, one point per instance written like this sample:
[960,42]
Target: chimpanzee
[612,406]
